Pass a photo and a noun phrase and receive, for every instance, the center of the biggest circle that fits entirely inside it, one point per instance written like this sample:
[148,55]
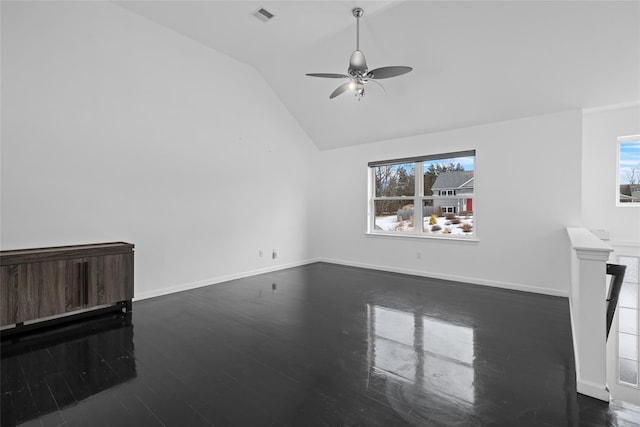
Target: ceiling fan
[358,74]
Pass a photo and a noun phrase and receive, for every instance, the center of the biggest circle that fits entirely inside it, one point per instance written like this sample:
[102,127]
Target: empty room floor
[317,345]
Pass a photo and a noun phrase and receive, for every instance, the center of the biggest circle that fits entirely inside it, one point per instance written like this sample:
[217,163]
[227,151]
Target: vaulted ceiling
[474,61]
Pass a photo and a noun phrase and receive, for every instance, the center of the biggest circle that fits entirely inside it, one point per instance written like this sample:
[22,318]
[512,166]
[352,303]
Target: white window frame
[623,140]
[620,390]
[419,198]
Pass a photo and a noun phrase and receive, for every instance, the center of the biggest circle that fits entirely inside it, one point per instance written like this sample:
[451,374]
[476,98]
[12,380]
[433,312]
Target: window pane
[394,215]
[631,273]
[629,371]
[628,346]
[629,172]
[448,176]
[395,180]
[628,295]
[449,216]
[628,320]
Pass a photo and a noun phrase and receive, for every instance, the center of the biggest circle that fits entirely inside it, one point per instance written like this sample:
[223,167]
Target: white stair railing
[587,298]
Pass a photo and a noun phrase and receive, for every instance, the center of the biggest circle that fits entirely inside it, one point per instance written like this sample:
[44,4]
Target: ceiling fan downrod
[357,12]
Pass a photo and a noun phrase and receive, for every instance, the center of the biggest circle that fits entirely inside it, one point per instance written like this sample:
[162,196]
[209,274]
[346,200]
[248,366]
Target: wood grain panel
[9,280]
[44,282]
[73,284]
[115,278]
[45,289]
[22,256]
[92,263]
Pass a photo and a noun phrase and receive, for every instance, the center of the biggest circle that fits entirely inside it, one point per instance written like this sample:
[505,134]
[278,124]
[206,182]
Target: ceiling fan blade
[328,75]
[386,72]
[340,89]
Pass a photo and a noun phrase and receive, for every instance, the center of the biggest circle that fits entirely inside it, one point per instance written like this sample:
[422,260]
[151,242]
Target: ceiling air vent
[263,14]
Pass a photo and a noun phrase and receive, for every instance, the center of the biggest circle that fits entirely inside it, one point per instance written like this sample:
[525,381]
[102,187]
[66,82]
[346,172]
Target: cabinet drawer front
[46,286]
[10,276]
[114,278]
[32,291]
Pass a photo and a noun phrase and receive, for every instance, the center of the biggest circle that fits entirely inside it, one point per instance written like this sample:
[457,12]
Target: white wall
[601,128]
[527,192]
[115,128]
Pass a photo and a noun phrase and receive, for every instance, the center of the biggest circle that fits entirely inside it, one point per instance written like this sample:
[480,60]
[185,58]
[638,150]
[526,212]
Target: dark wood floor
[319,345]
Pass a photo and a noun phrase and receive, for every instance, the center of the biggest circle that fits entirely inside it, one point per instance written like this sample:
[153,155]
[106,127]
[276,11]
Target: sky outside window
[629,161]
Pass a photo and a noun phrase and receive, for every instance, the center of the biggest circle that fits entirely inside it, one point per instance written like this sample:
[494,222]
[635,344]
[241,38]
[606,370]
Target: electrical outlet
[274,254]
[260,253]
[418,255]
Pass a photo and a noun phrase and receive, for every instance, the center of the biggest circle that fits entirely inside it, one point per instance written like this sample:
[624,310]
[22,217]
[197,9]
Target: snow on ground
[391,223]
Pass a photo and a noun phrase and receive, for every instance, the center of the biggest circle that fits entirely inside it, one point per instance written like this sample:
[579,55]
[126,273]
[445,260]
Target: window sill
[441,238]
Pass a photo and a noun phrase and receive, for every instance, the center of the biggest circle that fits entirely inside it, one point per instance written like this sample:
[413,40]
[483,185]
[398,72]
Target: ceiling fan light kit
[358,73]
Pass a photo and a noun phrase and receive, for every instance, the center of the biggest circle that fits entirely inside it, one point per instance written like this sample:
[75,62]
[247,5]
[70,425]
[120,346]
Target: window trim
[443,156]
[418,198]
[623,140]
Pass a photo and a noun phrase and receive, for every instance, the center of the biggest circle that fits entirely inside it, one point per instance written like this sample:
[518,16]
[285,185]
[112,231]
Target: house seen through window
[430,195]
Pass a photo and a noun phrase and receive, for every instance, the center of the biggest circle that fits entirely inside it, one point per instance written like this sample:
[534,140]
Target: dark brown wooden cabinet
[45,282]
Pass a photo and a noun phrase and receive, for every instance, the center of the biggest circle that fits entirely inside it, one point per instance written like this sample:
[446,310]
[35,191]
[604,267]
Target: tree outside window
[628,179]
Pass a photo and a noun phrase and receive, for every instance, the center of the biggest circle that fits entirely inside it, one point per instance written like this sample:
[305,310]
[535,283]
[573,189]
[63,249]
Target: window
[628,179]
[426,196]
[628,323]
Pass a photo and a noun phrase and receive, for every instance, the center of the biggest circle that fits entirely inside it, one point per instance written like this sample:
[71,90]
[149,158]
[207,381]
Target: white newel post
[588,311]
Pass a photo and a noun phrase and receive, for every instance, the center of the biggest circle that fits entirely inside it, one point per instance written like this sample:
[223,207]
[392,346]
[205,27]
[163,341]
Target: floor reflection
[47,371]
[425,363]
[334,346]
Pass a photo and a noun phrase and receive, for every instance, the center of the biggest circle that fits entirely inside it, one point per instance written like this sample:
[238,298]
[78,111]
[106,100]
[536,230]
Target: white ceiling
[474,61]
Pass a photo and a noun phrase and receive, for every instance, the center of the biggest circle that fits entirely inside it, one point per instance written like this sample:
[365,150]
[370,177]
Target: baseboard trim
[456,278]
[573,315]
[220,279]
[597,391]
[452,277]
